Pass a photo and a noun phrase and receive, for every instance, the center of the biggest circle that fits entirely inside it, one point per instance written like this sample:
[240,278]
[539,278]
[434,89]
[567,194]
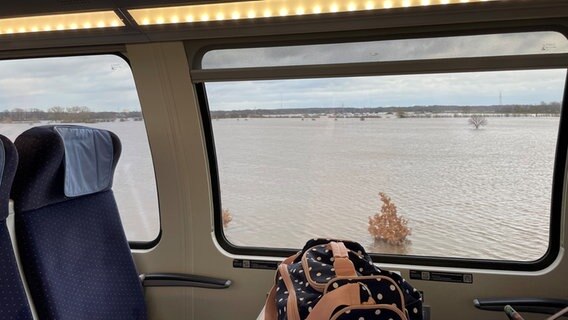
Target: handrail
[522,304]
[183,280]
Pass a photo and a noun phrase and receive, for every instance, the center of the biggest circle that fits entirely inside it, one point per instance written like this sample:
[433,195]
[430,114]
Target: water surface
[466,193]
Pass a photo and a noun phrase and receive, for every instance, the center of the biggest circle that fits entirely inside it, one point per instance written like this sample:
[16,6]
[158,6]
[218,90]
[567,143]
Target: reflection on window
[97,91]
[466,159]
[394,50]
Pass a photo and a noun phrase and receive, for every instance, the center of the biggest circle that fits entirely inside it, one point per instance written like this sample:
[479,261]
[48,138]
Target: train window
[305,158]
[447,165]
[96,91]
[393,50]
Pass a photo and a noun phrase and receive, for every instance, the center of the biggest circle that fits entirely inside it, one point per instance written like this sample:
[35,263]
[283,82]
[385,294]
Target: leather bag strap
[343,266]
[270,310]
[346,295]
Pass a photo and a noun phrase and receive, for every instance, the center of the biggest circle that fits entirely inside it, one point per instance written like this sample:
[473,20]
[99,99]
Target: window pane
[308,158]
[394,50]
[97,91]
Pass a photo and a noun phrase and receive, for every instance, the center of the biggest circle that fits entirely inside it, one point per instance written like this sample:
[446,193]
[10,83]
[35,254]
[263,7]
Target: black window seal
[555,229]
[146,245]
[386,68]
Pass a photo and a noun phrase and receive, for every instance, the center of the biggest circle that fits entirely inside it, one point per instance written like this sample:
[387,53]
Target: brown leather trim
[292,307]
[270,310]
[346,295]
[388,279]
[370,307]
[343,266]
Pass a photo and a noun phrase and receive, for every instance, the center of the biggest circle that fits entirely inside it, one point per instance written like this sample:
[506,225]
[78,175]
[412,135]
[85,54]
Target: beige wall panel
[158,100]
[176,137]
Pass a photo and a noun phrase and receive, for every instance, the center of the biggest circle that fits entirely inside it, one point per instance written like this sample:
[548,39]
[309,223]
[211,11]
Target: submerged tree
[387,225]
[227,217]
[477,121]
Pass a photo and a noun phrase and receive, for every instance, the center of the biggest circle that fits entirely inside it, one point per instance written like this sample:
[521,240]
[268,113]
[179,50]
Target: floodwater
[466,193]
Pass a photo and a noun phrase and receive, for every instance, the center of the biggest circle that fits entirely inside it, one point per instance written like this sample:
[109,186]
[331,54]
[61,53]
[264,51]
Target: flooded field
[466,193]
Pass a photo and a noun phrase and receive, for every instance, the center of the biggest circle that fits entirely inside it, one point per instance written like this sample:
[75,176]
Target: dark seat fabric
[74,252]
[13,300]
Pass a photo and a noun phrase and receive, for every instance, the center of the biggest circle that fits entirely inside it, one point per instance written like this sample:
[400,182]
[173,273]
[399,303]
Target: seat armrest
[182,280]
[530,305]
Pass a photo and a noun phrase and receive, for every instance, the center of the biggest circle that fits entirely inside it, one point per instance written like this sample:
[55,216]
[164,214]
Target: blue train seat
[13,299]
[72,246]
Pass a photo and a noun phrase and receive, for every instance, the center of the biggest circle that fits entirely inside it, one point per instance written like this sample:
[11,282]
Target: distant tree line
[76,114]
[550,108]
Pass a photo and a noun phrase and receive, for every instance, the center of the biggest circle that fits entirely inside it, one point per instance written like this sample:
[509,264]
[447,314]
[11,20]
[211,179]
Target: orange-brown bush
[387,225]
[227,217]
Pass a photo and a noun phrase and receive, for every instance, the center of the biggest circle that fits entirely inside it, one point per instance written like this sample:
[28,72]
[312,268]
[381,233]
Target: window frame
[559,167]
[118,51]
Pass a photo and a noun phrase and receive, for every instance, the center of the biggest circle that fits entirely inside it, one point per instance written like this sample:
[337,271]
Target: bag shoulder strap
[270,310]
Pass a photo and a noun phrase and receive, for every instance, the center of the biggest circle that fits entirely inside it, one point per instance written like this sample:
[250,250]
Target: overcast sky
[482,88]
[102,83]
[105,83]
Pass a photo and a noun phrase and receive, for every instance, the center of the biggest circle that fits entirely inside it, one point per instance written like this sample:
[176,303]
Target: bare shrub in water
[387,226]
[227,217]
[477,121]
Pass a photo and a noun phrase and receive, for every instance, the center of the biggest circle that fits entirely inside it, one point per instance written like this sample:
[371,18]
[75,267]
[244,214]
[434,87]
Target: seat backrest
[13,299]
[74,252]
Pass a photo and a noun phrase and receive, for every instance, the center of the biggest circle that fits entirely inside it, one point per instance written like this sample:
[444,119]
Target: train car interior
[162,159]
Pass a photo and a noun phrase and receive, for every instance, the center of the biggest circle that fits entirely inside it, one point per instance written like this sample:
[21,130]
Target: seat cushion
[13,300]
[77,261]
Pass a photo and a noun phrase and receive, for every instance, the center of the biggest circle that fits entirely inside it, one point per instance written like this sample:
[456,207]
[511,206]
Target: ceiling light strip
[60,22]
[271,8]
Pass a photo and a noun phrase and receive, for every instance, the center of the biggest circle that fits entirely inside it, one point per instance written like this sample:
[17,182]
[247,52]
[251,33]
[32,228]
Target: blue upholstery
[73,249]
[89,159]
[41,170]
[2,159]
[8,165]
[13,300]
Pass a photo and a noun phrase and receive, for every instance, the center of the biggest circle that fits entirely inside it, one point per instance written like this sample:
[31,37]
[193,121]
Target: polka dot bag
[337,280]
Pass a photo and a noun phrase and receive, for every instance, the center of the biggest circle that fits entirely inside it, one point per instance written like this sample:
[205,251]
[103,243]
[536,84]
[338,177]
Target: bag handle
[343,266]
[345,295]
